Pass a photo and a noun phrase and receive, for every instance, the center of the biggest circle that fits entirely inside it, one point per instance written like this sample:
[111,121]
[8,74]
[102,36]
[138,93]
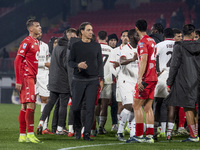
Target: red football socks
[182,117]
[22,121]
[139,129]
[29,120]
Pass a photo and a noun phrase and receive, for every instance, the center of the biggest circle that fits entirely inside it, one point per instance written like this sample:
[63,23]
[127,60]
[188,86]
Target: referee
[86,59]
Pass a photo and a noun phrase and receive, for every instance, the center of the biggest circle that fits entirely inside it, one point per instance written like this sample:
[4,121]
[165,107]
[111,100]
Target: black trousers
[160,110]
[199,117]
[114,105]
[84,94]
[63,101]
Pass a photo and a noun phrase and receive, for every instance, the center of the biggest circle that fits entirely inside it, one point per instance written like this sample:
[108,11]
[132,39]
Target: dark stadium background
[56,16]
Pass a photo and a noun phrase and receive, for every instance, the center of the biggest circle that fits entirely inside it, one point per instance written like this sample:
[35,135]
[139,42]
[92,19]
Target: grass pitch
[9,133]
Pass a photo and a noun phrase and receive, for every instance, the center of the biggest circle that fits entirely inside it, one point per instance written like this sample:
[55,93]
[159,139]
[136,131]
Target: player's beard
[135,40]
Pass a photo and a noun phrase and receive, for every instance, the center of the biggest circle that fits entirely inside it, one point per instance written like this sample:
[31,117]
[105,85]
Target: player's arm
[47,64]
[17,64]
[124,61]
[100,68]
[142,68]
[174,66]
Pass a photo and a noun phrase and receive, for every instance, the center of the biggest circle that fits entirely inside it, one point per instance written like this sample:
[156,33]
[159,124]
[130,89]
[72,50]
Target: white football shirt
[164,51]
[115,57]
[42,59]
[129,72]
[106,52]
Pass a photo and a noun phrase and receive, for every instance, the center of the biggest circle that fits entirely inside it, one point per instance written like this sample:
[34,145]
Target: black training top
[91,53]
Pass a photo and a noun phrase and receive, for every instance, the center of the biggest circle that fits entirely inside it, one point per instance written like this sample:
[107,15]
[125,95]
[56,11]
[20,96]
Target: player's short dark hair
[131,33]
[123,32]
[197,32]
[141,24]
[176,31]
[188,29]
[159,27]
[70,30]
[82,26]
[168,33]
[102,35]
[30,22]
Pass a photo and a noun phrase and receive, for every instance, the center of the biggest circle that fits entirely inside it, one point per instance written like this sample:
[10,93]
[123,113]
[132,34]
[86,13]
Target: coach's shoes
[149,140]
[31,138]
[22,138]
[191,139]
[86,136]
[120,137]
[77,134]
[39,130]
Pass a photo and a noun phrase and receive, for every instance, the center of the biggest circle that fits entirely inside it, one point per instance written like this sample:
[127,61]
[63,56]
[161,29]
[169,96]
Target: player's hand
[115,64]
[101,85]
[18,87]
[47,64]
[168,89]
[82,65]
[139,85]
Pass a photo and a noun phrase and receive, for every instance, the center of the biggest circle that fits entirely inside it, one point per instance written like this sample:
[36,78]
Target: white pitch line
[90,146]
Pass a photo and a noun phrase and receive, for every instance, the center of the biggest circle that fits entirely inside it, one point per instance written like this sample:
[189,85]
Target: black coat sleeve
[175,64]
[72,58]
[100,63]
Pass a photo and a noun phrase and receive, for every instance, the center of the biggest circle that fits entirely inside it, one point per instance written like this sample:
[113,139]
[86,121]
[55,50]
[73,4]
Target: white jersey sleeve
[129,72]
[106,52]
[115,55]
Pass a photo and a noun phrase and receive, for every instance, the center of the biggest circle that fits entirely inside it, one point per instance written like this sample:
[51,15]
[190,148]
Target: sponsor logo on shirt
[24,46]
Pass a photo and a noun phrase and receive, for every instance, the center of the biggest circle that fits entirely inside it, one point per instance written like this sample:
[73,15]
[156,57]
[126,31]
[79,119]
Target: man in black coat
[86,59]
[58,84]
[183,81]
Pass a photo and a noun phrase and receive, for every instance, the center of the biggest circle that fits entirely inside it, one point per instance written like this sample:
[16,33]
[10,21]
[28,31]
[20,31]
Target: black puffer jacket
[58,72]
[184,75]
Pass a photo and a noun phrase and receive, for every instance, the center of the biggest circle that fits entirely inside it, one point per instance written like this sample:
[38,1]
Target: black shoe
[86,136]
[77,134]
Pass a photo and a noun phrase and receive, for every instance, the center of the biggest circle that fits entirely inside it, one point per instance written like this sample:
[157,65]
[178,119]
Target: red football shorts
[27,93]
[147,93]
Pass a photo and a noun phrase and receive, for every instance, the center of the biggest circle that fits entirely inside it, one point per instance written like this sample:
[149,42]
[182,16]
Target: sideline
[90,146]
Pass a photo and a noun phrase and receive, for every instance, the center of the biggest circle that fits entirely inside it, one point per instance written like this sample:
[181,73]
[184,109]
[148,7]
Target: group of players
[131,65]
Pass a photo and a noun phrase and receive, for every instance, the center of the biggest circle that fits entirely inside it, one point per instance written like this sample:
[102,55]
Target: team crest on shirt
[24,46]
[141,45]
[32,97]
